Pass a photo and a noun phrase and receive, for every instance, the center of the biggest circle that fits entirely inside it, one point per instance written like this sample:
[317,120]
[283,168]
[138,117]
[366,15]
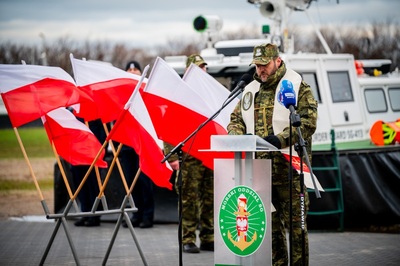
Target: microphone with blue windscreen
[287,97]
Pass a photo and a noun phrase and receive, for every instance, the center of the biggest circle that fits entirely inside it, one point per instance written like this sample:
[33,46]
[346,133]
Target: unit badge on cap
[258,52]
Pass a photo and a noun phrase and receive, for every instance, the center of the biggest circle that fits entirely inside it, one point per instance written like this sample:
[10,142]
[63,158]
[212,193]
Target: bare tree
[379,40]
[13,54]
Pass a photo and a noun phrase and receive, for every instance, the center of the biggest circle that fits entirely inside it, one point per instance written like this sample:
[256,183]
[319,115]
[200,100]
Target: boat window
[339,83]
[375,100]
[311,79]
[394,96]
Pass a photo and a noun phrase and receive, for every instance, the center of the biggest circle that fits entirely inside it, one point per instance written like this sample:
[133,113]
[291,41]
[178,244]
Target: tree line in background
[377,41]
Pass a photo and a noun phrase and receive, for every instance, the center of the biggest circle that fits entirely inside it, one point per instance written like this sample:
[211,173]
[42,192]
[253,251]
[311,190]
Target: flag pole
[121,172]
[115,159]
[89,170]
[62,171]
[136,90]
[42,201]
[110,168]
[96,168]
[128,103]
[134,181]
[102,188]
[29,164]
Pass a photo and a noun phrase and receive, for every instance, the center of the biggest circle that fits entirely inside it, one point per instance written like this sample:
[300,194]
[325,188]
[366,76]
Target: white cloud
[154,22]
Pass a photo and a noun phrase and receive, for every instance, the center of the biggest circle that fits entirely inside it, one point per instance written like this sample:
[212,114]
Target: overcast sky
[154,22]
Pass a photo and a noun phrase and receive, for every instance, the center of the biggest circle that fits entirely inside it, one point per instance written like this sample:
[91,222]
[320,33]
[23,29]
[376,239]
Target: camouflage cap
[195,59]
[263,54]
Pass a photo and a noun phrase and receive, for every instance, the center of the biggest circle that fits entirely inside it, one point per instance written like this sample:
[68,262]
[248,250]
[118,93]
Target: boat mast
[276,11]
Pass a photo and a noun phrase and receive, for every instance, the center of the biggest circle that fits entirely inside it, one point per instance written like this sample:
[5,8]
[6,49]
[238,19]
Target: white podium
[242,202]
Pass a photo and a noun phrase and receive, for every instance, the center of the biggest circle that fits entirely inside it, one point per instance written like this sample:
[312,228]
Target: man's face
[265,71]
[204,67]
[134,71]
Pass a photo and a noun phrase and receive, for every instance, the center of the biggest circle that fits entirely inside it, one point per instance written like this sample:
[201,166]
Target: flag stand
[63,221]
[124,215]
[61,218]
[68,85]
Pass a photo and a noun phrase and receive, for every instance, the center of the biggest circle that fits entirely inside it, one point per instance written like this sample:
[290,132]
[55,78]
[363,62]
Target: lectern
[242,201]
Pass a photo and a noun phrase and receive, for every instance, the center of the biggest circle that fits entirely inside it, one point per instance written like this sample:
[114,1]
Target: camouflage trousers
[197,202]
[280,224]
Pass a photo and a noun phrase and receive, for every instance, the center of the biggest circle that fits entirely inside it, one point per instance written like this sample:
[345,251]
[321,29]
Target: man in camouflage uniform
[270,70]
[197,193]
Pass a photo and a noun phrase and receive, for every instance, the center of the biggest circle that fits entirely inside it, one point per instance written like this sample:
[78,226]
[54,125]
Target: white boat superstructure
[352,94]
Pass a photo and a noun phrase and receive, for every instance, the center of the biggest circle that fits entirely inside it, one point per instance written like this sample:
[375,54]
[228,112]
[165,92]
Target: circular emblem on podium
[242,221]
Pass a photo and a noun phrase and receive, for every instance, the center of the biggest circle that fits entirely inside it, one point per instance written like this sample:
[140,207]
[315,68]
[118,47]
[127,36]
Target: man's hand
[174,165]
[273,140]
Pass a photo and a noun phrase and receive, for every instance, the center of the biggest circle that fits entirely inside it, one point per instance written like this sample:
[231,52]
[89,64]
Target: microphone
[244,80]
[287,97]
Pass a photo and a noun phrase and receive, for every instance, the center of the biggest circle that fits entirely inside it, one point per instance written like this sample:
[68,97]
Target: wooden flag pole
[29,164]
[134,181]
[110,169]
[96,169]
[62,171]
[121,172]
[89,170]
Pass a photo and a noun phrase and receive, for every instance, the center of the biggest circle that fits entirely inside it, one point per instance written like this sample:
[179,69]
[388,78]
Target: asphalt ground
[23,241]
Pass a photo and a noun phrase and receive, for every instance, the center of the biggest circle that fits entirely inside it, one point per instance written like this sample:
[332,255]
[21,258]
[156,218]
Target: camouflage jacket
[264,101]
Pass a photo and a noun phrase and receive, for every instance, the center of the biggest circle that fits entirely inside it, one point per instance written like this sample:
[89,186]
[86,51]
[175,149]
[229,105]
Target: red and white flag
[135,129]
[109,87]
[73,140]
[213,94]
[30,91]
[308,182]
[86,108]
[178,107]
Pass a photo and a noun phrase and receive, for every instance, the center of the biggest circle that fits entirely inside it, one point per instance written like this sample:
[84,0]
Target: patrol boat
[356,151]
[352,94]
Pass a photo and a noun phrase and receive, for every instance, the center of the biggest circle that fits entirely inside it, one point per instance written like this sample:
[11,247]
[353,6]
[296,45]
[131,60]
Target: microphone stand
[180,153]
[301,150]
[302,204]
[291,118]
[294,121]
[178,149]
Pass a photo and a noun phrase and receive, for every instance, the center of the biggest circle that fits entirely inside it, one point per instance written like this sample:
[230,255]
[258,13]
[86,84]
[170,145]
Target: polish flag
[135,129]
[109,87]
[296,164]
[208,86]
[29,91]
[73,140]
[87,108]
[179,106]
